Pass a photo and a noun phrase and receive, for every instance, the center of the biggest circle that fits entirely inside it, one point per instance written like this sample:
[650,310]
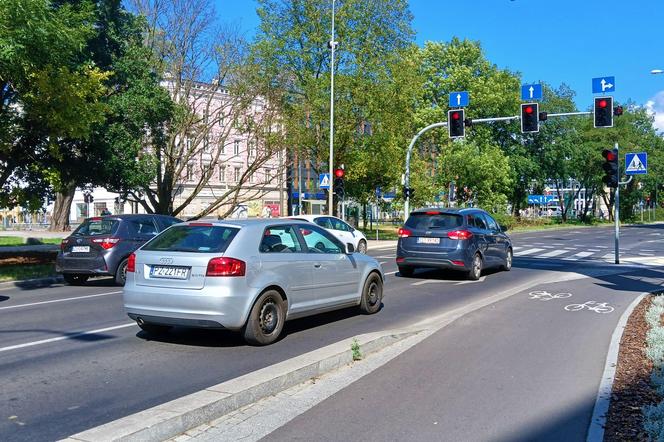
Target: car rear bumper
[456,260]
[210,307]
[83,266]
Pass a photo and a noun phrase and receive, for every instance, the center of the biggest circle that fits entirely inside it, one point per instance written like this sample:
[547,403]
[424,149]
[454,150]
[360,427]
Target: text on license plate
[168,272]
[80,249]
[428,240]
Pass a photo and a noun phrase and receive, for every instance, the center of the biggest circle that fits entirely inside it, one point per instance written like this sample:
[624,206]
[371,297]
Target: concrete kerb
[177,416]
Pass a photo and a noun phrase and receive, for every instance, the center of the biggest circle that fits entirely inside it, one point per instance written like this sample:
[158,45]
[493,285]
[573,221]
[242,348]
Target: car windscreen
[193,238]
[97,226]
[434,221]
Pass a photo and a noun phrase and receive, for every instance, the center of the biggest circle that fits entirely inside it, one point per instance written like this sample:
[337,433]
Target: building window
[190,171]
[236,147]
[236,174]
[222,174]
[267,173]
[222,148]
[251,177]
[252,149]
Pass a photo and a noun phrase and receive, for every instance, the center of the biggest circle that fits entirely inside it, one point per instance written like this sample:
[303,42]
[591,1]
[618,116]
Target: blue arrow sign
[636,163]
[531,92]
[324,181]
[603,85]
[459,99]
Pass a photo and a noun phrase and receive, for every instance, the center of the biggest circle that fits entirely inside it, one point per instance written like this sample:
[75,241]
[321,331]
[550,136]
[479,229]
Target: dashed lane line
[60,300]
[68,336]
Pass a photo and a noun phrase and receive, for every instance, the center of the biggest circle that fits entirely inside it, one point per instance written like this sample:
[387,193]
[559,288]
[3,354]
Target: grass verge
[9,241]
[654,414]
[26,271]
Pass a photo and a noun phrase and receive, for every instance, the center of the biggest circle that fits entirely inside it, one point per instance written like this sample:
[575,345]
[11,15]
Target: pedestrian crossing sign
[636,163]
[324,181]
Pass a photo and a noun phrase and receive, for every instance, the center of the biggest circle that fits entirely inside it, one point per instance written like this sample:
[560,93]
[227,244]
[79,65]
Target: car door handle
[317,266]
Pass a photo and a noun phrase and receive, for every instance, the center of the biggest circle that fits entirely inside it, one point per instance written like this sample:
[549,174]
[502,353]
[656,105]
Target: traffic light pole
[616,210]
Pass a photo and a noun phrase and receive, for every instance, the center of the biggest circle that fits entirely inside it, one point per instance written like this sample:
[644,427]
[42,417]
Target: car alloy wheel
[476,269]
[269,316]
[362,247]
[508,260]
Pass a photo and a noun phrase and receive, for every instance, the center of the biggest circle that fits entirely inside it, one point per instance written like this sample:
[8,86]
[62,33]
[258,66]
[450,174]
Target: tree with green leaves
[374,39]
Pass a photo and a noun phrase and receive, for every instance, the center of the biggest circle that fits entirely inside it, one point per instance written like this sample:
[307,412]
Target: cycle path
[525,368]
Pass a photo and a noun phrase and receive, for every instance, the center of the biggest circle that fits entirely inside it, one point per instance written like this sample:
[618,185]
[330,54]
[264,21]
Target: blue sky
[556,41]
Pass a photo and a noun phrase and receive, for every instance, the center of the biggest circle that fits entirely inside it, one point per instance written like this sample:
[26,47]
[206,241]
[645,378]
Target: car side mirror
[350,249]
[503,229]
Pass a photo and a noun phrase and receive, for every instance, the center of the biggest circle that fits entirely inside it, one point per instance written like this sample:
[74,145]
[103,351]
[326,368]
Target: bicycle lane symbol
[543,295]
[597,307]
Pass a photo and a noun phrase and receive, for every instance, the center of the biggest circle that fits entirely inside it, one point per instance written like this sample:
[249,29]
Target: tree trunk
[61,209]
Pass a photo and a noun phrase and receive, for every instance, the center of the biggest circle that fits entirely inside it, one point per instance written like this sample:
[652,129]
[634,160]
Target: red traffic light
[609,155]
[339,173]
[456,115]
[528,109]
[602,103]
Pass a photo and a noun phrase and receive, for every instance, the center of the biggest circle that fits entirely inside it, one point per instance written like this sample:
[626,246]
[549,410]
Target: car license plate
[168,272]
[428,240]
[80,249]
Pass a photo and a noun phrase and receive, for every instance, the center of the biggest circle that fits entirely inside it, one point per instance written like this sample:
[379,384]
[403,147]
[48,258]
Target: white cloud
[655,107]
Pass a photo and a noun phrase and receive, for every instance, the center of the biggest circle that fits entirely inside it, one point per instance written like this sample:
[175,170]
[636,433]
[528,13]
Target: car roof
[245,222]
[450,210]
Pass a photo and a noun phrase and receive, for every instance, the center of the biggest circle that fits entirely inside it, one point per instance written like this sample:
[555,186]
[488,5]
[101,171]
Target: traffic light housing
[603,112]
[339,183]
[610,167]
[456,124]
[529,118]
[408,192]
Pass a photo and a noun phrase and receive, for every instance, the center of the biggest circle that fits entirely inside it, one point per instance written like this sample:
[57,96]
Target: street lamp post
[332,44]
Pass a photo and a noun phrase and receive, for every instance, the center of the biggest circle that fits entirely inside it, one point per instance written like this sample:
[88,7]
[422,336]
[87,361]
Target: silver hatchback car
[246,275]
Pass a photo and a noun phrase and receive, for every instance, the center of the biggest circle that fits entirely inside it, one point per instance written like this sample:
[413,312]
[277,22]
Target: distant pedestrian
[105,212]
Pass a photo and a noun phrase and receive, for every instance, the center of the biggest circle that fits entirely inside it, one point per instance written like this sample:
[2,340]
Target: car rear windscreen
[97,226]
[439,220]
[188,238]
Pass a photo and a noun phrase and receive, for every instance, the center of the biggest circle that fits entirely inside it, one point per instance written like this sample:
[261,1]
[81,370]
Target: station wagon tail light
[459,234]
[404,233]
[433,212]
[226,267]
[64,243]
[131,263]
[106,243]
[458,263]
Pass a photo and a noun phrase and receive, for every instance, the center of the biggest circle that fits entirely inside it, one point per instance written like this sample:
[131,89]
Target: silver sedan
[246,275]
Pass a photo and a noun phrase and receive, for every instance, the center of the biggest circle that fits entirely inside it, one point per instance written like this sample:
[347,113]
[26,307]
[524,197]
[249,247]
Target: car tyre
[74,279]
[406,272]
[155,329]
[266,319]
[121,273]
[372,295]
[476,268]
[362,247]
[509,256]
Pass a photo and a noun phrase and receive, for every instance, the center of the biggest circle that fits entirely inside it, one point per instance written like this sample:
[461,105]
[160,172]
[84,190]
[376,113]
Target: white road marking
[609,256]
[594,250]
[552,253]
[391,273]
[429,281]
[482,278]
[578,256]
[60,300]
[383,257]
[602,247]
[528,252]
[62,338]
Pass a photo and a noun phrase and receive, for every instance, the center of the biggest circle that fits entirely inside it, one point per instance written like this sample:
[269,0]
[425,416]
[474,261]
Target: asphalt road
[70,359]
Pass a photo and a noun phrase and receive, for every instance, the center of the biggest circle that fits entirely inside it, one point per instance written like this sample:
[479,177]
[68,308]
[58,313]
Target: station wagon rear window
[433,221]
[97,226]
[192,238]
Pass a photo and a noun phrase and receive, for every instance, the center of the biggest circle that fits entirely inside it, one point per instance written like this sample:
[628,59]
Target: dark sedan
[101,245]
[467,240]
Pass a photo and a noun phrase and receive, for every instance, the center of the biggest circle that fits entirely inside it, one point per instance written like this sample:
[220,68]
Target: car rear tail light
[458,263]
[459,234]
[106,243]
[225,267]
[64,243]
[404,233]
[131,263]
[433,212]
[400,259]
